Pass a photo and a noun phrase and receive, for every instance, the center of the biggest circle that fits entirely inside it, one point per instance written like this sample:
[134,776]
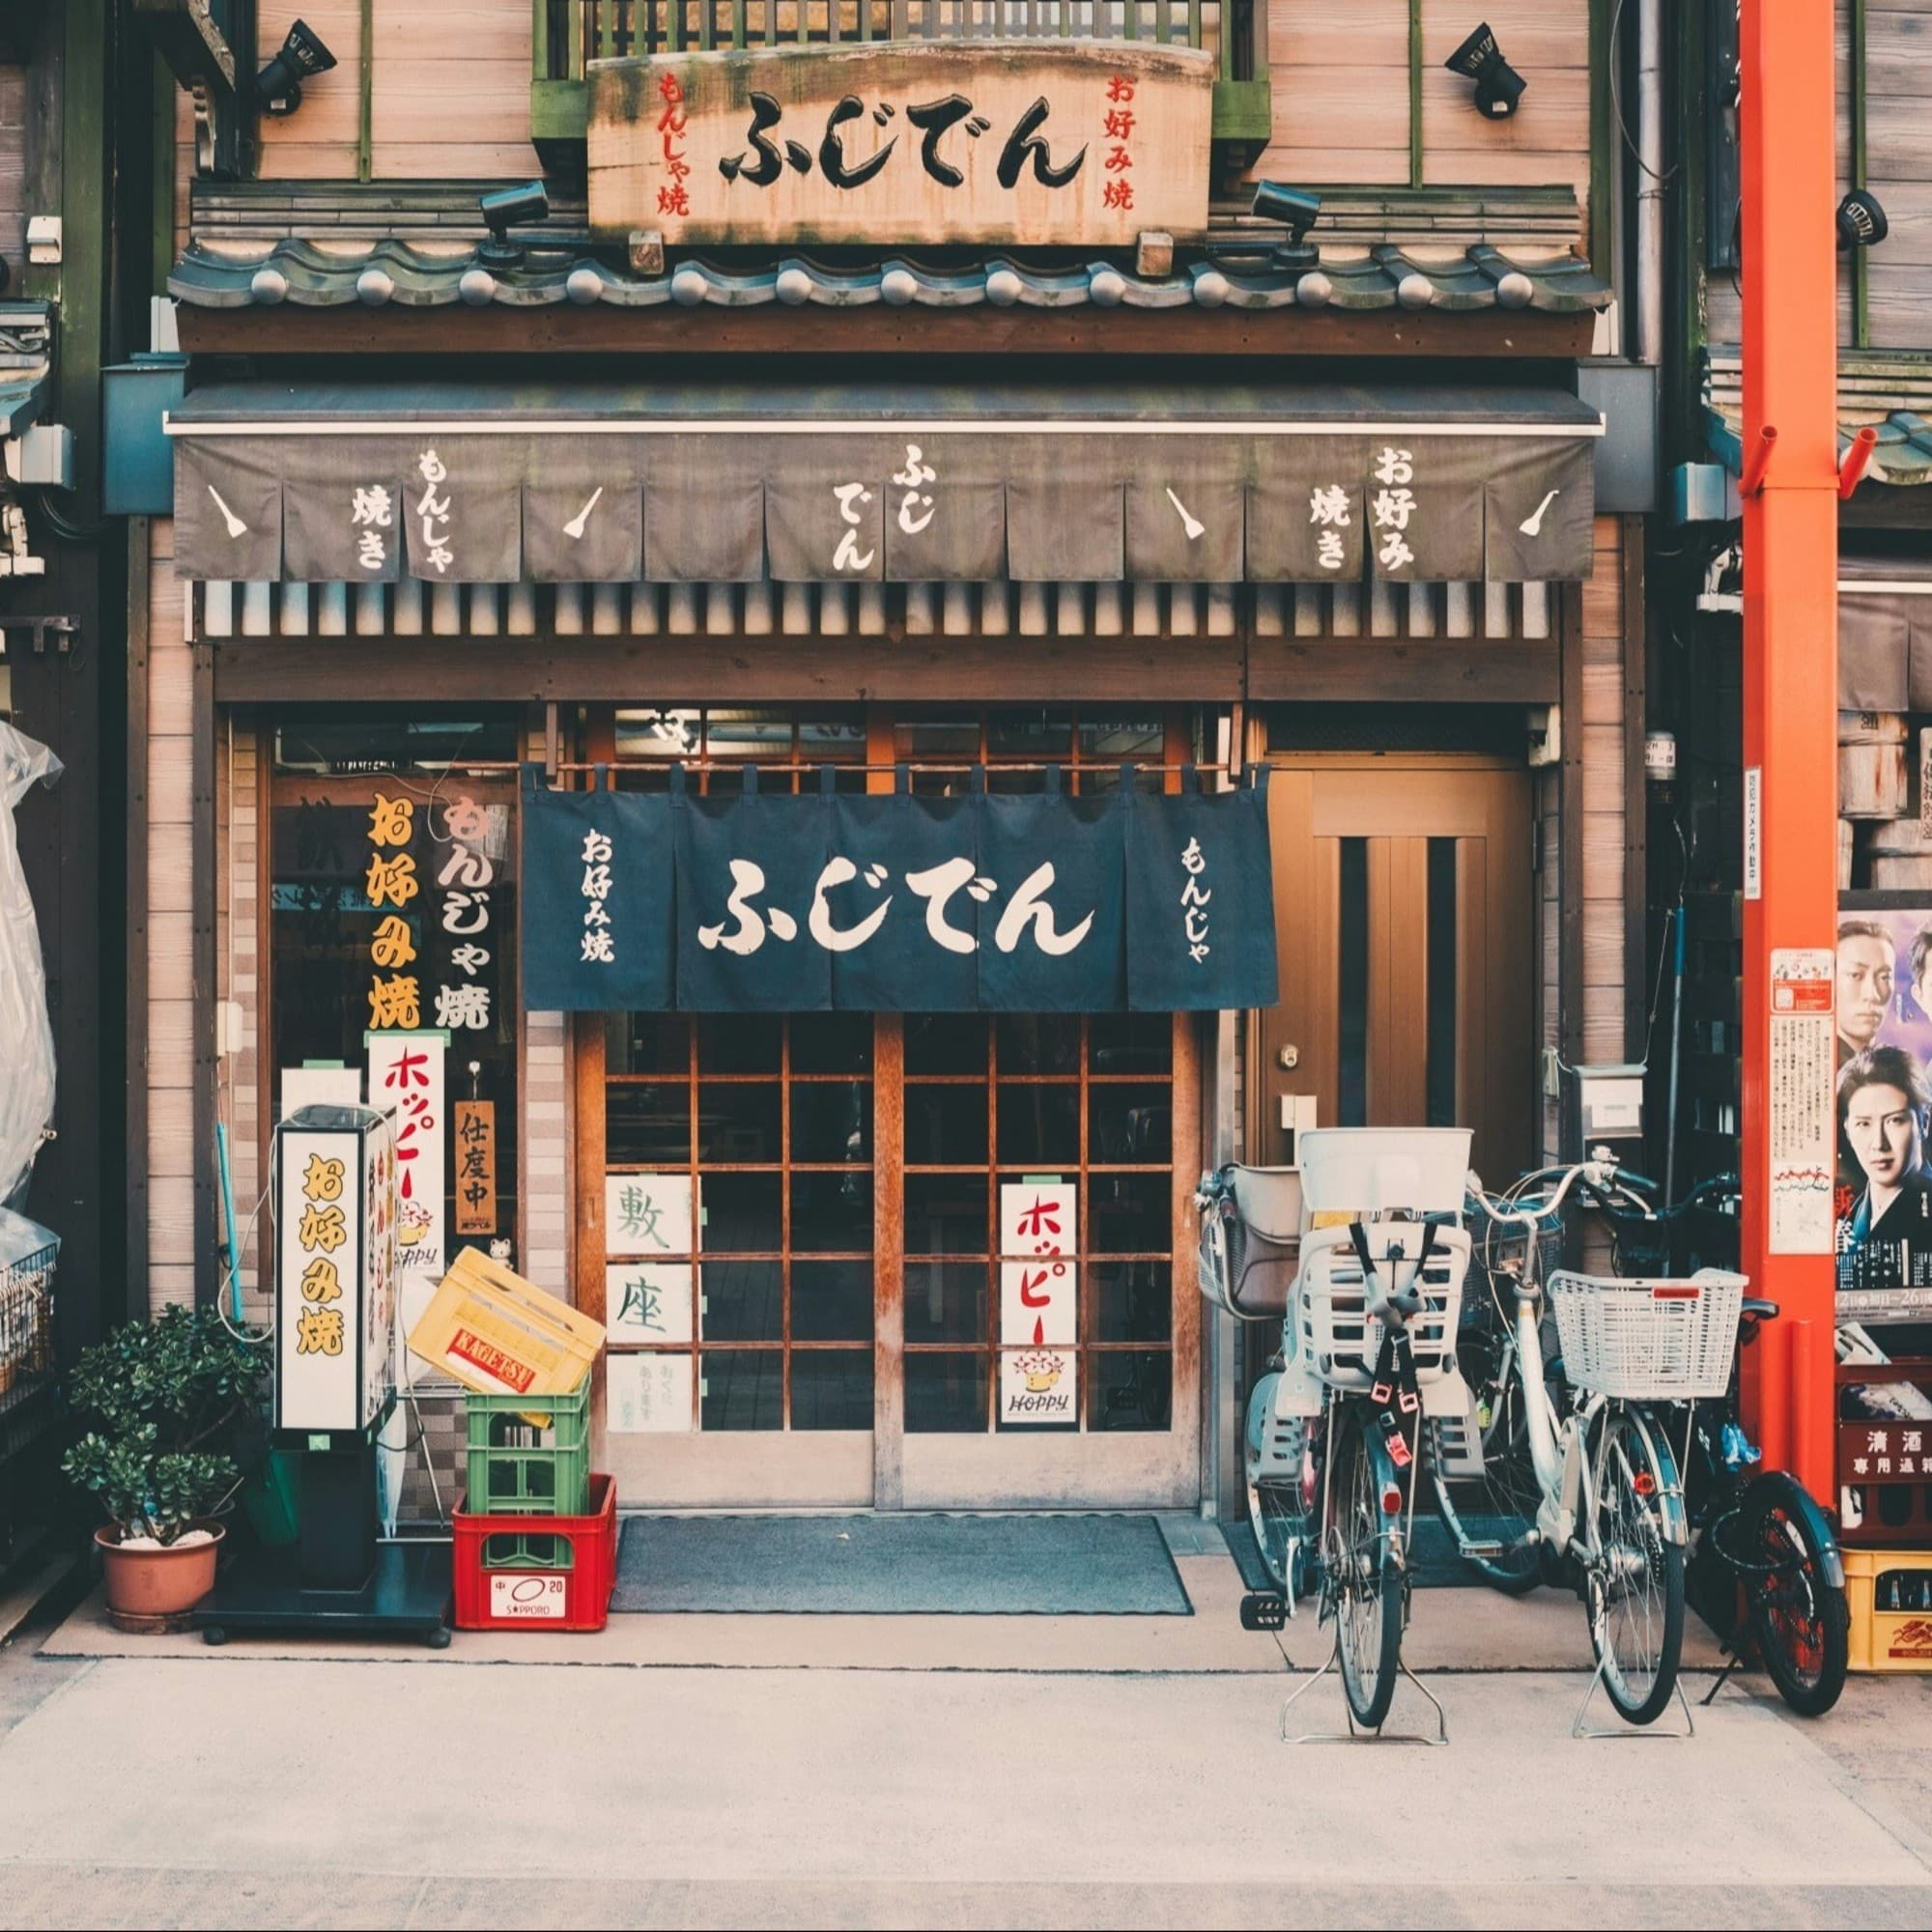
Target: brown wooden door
[1404,910]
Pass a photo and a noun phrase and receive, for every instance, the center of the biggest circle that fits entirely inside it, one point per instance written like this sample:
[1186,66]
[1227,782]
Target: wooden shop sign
[1018,143]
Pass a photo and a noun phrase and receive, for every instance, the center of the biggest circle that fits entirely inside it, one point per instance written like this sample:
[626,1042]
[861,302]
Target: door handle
[1289,1058]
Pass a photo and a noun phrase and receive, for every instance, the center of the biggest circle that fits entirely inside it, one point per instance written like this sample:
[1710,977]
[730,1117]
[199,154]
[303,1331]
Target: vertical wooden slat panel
[1382,1044]
[1407,968]
[887,1201]
[1323,964]
[1190,1154]
[1473,1073]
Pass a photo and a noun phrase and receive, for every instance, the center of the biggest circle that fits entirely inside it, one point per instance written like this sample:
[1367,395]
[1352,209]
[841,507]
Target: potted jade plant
[164,1400]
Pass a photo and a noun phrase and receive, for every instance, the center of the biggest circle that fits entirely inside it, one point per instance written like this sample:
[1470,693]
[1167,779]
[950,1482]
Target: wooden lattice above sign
[1019,143]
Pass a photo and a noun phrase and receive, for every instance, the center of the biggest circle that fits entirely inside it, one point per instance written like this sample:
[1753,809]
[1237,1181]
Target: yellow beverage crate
[1889,1594]
[498,1334]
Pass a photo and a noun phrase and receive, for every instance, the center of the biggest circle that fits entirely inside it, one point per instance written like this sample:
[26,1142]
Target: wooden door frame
[1255,1111]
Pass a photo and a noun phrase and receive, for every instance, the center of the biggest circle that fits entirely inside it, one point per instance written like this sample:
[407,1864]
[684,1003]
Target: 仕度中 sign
[1024,143]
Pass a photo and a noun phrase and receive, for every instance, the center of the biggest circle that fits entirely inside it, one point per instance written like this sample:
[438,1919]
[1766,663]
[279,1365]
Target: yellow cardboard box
[494,1332]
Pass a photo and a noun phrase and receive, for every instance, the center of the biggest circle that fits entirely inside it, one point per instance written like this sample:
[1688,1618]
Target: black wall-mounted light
[1861,220]
[1498,85]
[302,57]
[504,208]
[1298,210]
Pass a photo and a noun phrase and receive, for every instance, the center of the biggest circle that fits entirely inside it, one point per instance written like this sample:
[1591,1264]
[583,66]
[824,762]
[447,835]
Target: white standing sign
[1039,1237]
[336,1253]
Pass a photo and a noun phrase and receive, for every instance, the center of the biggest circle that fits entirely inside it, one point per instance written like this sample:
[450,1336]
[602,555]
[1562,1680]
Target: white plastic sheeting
[26,1034]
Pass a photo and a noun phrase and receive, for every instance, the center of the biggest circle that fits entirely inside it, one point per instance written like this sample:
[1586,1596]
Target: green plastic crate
[517,1469]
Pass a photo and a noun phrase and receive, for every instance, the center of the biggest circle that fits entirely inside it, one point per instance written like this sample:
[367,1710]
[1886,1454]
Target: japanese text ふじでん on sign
[1041,142]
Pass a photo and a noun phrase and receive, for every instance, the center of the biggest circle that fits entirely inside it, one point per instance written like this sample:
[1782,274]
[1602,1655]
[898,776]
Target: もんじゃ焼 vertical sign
[1086,142]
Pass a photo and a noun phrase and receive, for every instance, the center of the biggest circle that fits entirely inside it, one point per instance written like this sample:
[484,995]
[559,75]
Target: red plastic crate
[538,1573]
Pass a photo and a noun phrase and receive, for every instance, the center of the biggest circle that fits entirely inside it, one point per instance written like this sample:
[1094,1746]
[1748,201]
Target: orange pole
[1790,739]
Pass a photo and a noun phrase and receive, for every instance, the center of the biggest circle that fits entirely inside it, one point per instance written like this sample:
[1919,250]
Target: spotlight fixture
[1862,221]
[1298,210]
[522,206]
[1498,85]
[302,57]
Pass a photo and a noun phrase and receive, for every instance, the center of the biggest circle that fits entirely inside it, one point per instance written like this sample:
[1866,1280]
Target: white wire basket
[1651,1339]
[1338,1338]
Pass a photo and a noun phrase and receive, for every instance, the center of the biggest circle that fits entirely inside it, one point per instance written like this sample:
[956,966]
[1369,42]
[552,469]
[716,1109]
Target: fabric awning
[1885,634]
[905,484]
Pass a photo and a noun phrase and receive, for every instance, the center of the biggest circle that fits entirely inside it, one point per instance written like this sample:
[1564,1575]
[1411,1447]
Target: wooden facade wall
[1342,95]
[450,92]
[13,166]
[1898,170]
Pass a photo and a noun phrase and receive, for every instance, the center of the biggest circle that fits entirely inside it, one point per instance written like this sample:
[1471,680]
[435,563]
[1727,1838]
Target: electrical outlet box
[1609,1104]
[43,238]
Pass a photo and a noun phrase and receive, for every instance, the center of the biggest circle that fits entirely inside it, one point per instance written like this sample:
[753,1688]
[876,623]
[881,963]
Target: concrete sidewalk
[231,1788]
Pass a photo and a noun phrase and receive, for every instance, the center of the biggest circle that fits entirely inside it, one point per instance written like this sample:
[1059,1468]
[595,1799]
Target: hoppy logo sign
[1039,1308]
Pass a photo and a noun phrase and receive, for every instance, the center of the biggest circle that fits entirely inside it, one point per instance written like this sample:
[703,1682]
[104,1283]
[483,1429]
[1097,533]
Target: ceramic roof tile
[300,272]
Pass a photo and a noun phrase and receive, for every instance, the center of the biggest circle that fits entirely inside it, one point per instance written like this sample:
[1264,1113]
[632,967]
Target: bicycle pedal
[1482,1552]
[1264,1611]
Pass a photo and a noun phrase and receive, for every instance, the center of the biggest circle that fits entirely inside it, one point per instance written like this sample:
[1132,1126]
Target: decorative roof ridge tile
[311,274]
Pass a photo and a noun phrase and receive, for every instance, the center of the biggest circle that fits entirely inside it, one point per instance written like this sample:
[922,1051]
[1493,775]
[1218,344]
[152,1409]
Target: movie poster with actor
[1884,1098]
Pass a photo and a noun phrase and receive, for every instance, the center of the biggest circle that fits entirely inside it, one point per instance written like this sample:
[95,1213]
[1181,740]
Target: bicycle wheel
[1365,1580]
[1635,1580]
[1499,1504]
[1801,1622]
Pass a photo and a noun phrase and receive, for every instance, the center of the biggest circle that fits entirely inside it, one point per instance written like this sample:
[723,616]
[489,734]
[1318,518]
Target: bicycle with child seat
[1376,1308]
[1561,1467]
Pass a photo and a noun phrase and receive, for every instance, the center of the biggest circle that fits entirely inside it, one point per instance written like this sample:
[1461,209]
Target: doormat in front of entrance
[1046,1566]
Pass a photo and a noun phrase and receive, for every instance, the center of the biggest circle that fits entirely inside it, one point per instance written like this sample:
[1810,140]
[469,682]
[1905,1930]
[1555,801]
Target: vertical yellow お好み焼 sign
[1081,143]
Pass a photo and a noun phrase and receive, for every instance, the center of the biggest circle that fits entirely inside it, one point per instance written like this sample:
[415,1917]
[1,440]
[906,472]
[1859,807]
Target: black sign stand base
[405,1593]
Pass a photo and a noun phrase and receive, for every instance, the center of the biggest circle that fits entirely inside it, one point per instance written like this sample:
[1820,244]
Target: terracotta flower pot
[158,1583]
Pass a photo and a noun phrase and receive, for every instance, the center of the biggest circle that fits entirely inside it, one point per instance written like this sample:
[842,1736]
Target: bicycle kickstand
[1355,1734]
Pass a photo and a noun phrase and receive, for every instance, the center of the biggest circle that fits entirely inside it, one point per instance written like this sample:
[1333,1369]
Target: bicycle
[1608,1499]
[1780,1564]
[1376,1308]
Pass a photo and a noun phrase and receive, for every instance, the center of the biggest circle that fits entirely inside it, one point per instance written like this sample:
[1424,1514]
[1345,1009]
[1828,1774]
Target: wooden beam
[1420,672]
[205,970]
[135,1285]
[723,670]
[1569,1034]
[1637,814]
[1519,334]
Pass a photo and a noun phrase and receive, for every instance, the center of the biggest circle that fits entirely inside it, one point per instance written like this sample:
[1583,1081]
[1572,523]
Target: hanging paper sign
[1039,1387]
[647,1301]
[1039,1235]
[647,1393]
[1200,901]
[597,910]
[1038,1238]
[406,1075]
[474,1136]
[648,1214]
